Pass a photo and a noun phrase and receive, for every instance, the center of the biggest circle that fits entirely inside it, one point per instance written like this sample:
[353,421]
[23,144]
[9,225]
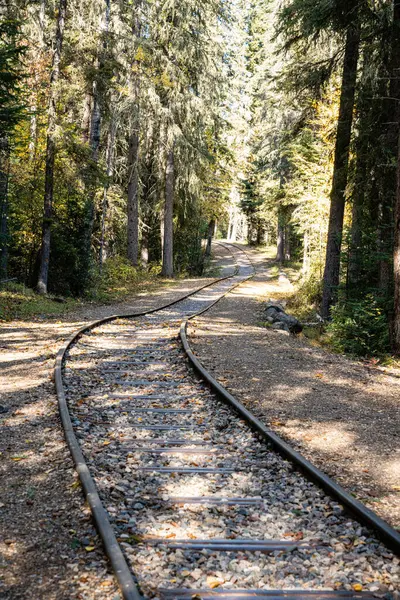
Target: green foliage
[120,279]
[360,327]
[11,75]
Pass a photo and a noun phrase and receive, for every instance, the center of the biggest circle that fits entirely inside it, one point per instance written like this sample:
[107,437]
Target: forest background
[130,130]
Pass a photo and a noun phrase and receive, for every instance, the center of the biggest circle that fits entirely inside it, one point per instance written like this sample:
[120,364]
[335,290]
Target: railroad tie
[236,594]
[150,383]
[162,427]
[187,470]
[173,450]
[164,411]
[214,500]
[229,545]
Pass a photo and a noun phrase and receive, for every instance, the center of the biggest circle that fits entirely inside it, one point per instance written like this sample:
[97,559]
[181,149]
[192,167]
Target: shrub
[360,327]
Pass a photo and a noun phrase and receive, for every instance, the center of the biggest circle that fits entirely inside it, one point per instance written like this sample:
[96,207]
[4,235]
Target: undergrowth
[118,281]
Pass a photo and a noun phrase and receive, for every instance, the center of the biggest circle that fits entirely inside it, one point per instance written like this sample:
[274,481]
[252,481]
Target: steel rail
[385,532]
[126,581]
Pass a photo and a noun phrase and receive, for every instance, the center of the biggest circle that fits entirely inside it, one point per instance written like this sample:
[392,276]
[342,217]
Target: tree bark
[387,217]
[168,253]
[396,265]
[340,172]
[306,246]
[395,88]
[211,229]
[280,238]
[133,198]
[50,153]
[133,157]
[4,168]
[109,172]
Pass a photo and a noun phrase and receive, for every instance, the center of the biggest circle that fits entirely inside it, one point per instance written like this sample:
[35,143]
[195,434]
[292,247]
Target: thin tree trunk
[396,265]
[50,153]
[340,172]
[211,229]
[364,107]
[109,172]
[133,199]
[306,244]
[168,253]
[395,74]
[87,111]
[4,168]
[94,143]
[133,157]
[280,238]
[392,114]
[260,232]
[288,250]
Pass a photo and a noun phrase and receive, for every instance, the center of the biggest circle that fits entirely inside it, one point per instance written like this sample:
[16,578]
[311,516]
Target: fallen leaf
[357,587]
[214,582]
[90,548]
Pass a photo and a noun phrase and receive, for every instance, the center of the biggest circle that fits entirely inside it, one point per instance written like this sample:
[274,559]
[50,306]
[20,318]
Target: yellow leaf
[90,548]
[357,587]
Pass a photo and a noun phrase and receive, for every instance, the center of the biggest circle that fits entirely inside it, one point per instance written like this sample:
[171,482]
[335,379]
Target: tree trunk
[395,88]
[288,249]
[50,153]
[168,254]
[211,228]
[260,232]
[396,265]
[87,111]
[280,238]
[340,172]
[109,171]
[144,250]
[4,168]
[392,116]
[133,156]
[306,246]
[133,199]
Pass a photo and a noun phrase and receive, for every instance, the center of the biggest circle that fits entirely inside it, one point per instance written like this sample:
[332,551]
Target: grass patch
[20,302]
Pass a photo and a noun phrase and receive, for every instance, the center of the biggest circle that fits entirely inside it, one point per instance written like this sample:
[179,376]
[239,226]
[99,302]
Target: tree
[50,151]
[11,106]
[395,77]
[340,170]
[168,254]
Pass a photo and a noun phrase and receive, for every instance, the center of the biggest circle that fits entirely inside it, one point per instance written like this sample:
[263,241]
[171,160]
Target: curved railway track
[189,500]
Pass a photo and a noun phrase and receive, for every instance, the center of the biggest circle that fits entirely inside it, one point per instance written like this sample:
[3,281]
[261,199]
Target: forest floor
[342,414]
[48,546]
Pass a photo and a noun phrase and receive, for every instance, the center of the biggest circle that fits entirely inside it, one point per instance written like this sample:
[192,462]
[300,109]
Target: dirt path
[48,546]
[341,414]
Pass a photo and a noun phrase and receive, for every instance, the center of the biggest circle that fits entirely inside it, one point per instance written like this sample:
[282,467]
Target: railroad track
[190,501]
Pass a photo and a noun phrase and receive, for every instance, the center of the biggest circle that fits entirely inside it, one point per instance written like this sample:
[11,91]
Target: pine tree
[50,151]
